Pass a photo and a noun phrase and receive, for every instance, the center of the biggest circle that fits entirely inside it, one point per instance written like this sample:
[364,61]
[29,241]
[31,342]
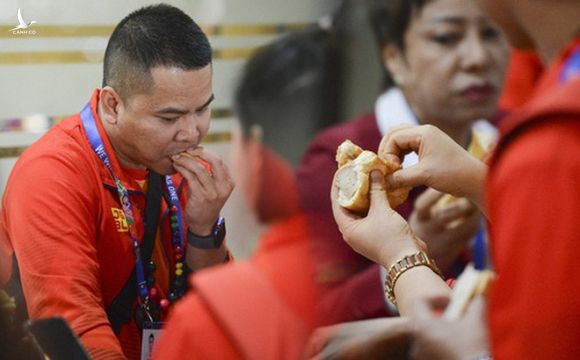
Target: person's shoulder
[192,329]
[60,153]
[553,138]
[286,234]
[62,140]
[550,107]
[189,308]
[547,149]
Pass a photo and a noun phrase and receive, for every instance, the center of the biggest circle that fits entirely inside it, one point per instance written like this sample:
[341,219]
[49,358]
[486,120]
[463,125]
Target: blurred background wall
[50,72]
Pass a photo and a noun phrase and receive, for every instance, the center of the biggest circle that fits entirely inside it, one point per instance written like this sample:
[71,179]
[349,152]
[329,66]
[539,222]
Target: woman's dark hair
[390,20]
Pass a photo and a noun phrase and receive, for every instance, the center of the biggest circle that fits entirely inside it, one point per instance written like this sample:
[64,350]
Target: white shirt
[392,109]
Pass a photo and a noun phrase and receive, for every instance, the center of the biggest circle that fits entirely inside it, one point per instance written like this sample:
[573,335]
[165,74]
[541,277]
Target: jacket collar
[553,75]
[553,97]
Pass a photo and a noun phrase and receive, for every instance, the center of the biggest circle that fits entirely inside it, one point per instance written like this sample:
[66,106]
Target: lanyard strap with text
[98,147]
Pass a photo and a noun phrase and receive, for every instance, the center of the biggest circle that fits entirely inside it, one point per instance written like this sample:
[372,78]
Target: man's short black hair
[390,19]
[156,35]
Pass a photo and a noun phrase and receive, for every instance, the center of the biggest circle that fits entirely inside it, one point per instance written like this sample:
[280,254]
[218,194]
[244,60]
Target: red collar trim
[551,98]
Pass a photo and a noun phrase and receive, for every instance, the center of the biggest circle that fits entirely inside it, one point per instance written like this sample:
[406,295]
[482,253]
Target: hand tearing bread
[353,177]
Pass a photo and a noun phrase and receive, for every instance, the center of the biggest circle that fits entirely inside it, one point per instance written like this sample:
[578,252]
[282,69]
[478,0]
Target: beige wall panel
[99,43]
[62,89]
[203,11]
[38,43]
[12,142]
[54,90]
[225,77]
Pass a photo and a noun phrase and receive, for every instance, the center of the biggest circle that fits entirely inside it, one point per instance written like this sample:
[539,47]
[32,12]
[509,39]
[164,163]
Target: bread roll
[353,177]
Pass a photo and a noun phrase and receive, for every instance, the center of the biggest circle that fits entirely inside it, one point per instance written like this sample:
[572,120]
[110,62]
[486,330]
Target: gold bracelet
[406,263]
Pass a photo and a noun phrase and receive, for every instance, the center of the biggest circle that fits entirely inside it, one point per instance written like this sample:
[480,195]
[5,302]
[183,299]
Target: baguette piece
[353,177]
[471,283]
[347,152]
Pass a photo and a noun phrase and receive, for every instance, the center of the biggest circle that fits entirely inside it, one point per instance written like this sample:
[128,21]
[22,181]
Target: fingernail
[393,158]
[376,176]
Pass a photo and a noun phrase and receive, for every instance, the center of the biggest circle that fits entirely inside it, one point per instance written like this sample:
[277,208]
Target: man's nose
[188,130]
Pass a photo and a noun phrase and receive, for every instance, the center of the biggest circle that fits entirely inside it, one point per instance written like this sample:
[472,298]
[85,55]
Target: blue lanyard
[177,238]
[480,248]
[571,68]
[90,125]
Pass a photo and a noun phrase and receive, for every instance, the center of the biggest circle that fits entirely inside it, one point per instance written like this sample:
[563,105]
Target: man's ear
[252,171]
[395,62]
[110,104]
[255,154]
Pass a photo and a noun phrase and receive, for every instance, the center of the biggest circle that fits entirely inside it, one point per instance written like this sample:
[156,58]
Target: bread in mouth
[202,162]
[186,154]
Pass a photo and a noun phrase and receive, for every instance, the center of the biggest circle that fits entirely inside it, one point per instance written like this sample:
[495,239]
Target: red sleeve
[50,211]
[534,202]
[193,333]
[6,253]
[339,269]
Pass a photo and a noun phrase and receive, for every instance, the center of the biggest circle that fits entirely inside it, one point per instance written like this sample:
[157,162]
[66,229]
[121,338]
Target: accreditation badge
[151,333]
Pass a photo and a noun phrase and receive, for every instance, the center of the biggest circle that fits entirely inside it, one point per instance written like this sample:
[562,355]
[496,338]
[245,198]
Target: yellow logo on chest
[120,221]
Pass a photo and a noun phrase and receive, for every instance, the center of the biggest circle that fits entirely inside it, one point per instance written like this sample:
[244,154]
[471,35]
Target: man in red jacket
[74,209]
